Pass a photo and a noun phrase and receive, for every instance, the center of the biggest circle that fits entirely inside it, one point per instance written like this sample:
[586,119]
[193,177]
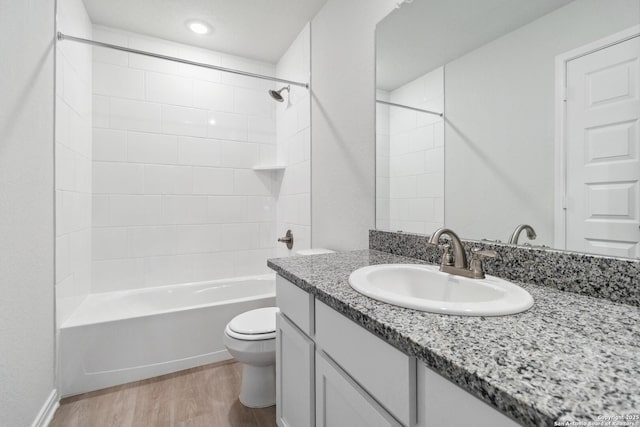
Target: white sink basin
[425,288]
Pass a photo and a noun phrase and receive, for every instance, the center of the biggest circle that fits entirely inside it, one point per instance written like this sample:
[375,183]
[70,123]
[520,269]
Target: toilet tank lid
[254,322]
[314,251]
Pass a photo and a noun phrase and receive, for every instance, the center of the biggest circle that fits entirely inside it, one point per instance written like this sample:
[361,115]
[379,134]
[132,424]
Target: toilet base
[258,389]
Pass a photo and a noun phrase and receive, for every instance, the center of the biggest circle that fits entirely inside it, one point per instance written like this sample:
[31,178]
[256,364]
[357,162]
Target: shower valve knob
[288,239]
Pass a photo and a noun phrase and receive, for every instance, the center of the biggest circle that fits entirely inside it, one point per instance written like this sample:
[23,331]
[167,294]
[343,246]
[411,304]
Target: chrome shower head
[277,94]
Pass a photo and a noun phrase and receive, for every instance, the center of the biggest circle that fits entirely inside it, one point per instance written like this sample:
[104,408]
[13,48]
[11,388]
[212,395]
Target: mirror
[540,127]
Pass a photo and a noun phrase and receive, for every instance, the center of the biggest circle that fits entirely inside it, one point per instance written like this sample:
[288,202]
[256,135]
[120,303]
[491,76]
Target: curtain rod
[62,36]
[379,101]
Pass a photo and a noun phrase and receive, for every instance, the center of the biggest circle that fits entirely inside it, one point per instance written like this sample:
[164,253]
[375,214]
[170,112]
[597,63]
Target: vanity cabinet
[331,372]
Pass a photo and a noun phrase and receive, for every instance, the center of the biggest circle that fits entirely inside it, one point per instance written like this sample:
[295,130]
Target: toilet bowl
[251,339]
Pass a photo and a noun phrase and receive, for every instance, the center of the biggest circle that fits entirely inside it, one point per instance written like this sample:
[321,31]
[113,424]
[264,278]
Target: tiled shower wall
[73,160]
[294,147]
[416,155]
[175,198]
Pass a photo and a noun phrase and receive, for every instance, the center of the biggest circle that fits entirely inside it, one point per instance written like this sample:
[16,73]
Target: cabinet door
[295,376]
[341,402]
[387,374]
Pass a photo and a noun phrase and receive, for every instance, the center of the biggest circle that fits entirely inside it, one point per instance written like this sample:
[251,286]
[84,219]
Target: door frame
[560,164]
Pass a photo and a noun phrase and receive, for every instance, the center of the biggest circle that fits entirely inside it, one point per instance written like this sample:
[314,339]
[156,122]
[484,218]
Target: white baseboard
[47,411]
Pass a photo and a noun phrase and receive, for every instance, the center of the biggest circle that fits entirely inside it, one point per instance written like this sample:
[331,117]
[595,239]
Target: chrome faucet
[457,263]
[531,234]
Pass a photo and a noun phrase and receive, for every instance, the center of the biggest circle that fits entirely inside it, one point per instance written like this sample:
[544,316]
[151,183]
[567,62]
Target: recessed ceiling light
[198,27]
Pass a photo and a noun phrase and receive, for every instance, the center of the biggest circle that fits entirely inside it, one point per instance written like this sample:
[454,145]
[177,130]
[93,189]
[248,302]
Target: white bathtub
[117,337]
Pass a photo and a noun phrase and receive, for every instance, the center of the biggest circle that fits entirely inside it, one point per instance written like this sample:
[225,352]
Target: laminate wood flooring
[206,396]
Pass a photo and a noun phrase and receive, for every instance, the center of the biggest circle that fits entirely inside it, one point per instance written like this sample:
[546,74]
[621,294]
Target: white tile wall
[199,151]
[175,198]
[214,180]
[184,121]
[73,150]
[152,148]
[129,114]
[410,157]
[293,204]
[167,89]
[109,145]
[227,126]
[118,81]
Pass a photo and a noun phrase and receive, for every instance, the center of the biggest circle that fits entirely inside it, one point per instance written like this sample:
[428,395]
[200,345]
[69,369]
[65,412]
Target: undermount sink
[425,288]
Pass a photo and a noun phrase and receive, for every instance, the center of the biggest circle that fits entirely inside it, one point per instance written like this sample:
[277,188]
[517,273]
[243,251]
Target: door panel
[294,376]
[603,168]
[341,402]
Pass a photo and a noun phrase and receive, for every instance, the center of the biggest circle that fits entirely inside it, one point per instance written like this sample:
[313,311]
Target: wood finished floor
[206,396]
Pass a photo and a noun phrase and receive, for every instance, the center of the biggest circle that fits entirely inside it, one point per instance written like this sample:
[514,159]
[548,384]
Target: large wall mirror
[497,113]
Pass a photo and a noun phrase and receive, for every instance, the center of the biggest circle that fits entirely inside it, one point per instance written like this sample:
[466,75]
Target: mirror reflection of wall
[411,155]
[503,162]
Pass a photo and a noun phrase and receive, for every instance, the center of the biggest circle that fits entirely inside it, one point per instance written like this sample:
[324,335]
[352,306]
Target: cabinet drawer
[296,304]
[341,402]
[386,373]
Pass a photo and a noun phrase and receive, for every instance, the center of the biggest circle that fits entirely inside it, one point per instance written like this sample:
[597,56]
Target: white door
[603,145]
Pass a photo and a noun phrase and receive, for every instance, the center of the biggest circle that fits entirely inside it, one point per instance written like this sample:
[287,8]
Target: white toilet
[251,339]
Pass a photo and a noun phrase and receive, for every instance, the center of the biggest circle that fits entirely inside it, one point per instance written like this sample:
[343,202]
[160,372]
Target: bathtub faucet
[288,239]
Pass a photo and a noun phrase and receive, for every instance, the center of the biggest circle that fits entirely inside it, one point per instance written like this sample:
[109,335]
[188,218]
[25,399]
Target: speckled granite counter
[570,357]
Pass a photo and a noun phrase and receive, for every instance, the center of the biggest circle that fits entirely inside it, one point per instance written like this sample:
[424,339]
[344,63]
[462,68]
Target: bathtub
[117,337]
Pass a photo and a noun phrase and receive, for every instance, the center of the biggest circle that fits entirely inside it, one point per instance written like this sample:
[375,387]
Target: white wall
[382,162]
[500,120]
[343,126]
[175,198]
[26,209]
[416,155]
[294,147]
[73,160]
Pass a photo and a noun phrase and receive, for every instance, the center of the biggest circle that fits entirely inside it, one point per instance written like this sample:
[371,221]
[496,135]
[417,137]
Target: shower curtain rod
[379,101]
[62,36]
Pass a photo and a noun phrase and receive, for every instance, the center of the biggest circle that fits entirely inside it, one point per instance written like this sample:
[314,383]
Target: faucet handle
[447,257]
[476,266]
[476,253]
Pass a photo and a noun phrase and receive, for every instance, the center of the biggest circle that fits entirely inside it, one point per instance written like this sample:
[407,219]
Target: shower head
[277,94]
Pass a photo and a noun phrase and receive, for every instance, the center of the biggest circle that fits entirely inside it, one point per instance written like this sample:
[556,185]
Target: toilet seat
[254,325]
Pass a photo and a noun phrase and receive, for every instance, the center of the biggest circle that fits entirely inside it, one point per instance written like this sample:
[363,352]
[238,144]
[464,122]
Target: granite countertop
[569,358]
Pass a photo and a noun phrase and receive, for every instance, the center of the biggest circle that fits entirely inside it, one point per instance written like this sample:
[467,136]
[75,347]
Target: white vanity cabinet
[331,372]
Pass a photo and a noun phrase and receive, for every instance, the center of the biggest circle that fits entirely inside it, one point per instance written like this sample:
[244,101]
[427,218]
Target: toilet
[250,338]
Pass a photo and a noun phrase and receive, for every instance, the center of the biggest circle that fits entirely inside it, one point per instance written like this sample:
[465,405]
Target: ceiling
[258,29]
[425,34]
